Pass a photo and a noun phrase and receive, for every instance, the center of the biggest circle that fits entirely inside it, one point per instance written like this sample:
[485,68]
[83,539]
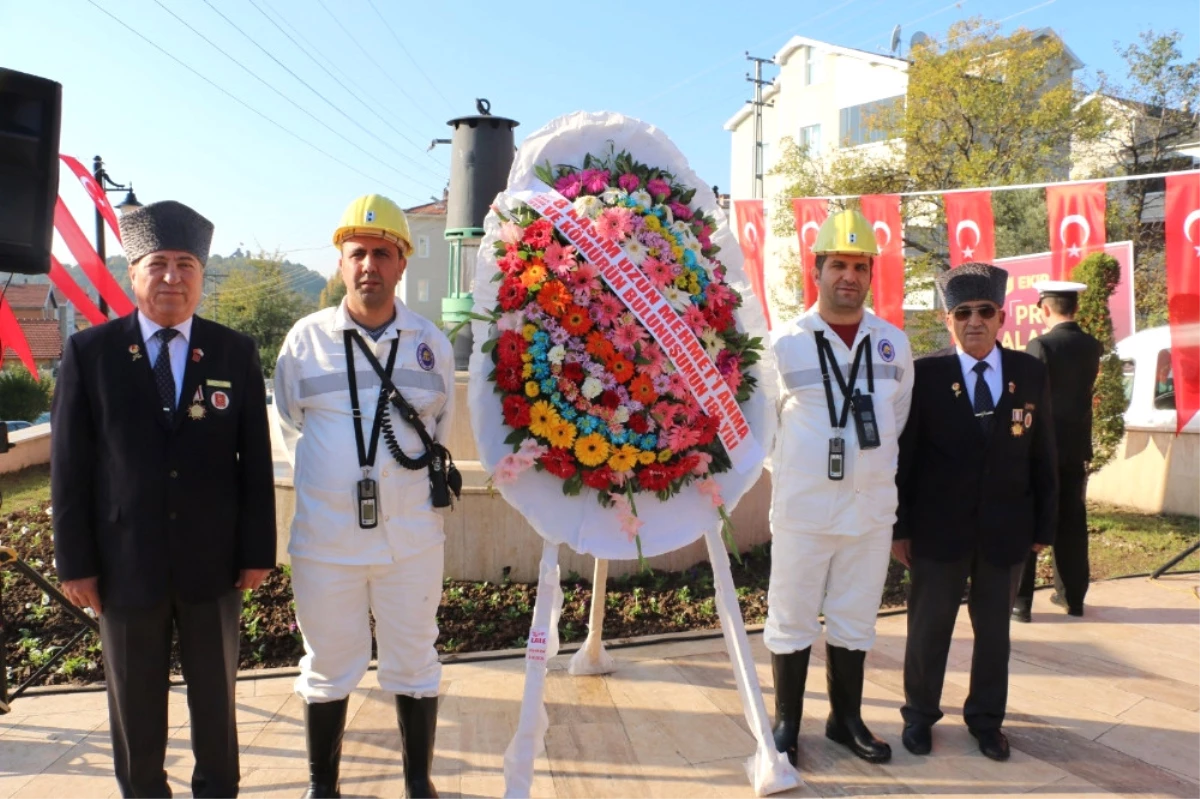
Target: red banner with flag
[887,275]
[13,337]
[89,261]
[809,215]
[751,233]
[75,294]
[1183,291]
[98,195]
[972,234]
[1076,215]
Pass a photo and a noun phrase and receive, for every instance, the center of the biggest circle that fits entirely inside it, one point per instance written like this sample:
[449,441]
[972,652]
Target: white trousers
[842,575]
[332,606]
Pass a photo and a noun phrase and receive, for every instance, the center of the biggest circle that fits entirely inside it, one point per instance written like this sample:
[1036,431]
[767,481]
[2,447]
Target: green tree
[333,292]
[1101,272]
[22,397]
[261,303]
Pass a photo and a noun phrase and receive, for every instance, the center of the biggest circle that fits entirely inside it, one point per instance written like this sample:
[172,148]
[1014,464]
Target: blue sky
[416,65]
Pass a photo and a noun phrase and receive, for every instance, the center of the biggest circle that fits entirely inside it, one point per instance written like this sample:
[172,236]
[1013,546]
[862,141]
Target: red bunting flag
[98,195]
[1076,215]
[1183,291]
[90,262]
[887,275]
[62,279]
[809,215]
[751,234]
[969,225]
[13,337]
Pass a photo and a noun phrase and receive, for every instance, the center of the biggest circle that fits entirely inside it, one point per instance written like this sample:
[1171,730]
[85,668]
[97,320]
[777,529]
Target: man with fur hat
[978,486]
[164,500]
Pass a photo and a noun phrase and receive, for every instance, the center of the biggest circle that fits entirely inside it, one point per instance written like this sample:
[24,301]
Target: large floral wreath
[587,396]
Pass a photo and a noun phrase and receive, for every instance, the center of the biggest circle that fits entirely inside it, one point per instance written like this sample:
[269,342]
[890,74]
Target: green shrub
[21,396]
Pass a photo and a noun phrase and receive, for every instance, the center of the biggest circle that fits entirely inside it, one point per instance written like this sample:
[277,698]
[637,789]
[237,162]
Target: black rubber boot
[791,672]
[844,678]
[418,728]
[324,724]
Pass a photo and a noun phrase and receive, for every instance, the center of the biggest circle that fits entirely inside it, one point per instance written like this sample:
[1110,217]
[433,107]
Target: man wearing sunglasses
[978,485]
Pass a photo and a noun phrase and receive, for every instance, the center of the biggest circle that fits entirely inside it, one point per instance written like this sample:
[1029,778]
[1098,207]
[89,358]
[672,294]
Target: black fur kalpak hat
[166,225]
[972,283]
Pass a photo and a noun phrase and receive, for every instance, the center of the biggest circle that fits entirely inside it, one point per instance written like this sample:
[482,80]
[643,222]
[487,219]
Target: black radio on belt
[863,406]
[368,503]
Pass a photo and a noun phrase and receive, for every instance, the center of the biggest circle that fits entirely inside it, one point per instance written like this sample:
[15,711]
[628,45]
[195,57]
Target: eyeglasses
[963,312]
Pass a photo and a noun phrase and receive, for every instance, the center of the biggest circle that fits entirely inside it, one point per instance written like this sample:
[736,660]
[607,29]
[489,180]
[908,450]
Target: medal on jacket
[196,410]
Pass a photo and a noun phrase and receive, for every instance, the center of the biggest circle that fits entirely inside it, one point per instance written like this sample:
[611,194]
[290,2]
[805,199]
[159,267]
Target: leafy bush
[23,397]
[1102,273]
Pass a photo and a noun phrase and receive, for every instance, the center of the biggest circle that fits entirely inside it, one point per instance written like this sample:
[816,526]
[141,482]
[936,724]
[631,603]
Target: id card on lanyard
[852,399]
[367,491]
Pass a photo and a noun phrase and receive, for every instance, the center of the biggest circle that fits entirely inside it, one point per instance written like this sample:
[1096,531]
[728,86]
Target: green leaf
[687,196]
[517,436]
[573,485]
[545,173]
[489,345]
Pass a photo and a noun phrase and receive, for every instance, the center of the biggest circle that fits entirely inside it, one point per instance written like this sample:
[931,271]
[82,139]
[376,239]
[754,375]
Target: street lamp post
[130,202]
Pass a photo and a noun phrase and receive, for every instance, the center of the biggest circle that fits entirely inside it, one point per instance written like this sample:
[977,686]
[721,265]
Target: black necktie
[984,406]
[163,378]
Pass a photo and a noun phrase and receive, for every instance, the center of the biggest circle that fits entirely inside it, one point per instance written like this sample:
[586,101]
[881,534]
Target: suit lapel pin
[135,351]
[1012,388]
[1018,430]
[957,389]
[197,410]
[197,354]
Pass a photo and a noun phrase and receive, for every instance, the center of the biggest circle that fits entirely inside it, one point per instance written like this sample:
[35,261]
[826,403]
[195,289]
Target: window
[1128,370]
[422,246]
[812,66]
[810,138]
[422,291]
[860,123]
[1164,383]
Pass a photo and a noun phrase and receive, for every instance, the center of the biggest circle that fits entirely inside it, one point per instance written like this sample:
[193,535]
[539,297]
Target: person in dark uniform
[164,503]
[1072,359]
[978,489]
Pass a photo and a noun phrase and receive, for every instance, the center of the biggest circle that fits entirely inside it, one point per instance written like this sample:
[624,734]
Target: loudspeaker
[30,113]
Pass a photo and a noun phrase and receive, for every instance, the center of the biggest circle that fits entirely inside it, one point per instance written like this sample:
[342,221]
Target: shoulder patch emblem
[425,357]
[886,350]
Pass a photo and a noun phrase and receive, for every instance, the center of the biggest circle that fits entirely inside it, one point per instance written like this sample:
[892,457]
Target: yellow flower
[562,435]
[531,387]
[681,282]
[646,458]
[527,371]
[533,276]
[677,251]
[624,458]
[693,283]
[665,455]
[591,450]
[543,418]
[526,357]
[527,332]
[652,222]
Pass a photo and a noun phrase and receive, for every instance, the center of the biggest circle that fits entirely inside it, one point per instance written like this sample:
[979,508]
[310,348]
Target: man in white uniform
[845,385]
[366,538]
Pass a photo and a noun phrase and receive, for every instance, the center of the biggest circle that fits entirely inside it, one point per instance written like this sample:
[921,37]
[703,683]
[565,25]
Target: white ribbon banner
[651,308]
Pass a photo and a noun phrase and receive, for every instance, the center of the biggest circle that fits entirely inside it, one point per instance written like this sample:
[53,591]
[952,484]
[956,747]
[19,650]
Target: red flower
[508,377]
[559,462]
[600,347]
[537,235]
[512,294]
[516,412]
[684,466]
[512,263]
[510,347]
[642,390]
[707,427]
[654,477]
[572,372]
[575,320]
[599,479]
[638,424]
[554,298]
[621,368]
[610,400]
[720,319]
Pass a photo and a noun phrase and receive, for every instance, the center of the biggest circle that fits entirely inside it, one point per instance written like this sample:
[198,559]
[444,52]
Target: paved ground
[1106,704]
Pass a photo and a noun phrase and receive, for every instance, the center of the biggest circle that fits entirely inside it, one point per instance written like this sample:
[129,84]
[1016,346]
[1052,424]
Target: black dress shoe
[1022,614]
[917,738]
[1057,599]
[992,743]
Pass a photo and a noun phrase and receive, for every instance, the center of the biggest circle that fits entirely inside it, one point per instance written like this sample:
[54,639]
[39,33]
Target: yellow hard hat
[846,232]
[375,215]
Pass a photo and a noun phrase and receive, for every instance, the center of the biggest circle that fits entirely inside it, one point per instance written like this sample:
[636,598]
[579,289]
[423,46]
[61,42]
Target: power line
[410,58]
[299,107]
[308,86]
[243,103]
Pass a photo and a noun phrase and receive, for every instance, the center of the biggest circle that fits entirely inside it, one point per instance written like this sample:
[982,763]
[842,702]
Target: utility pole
[758,104]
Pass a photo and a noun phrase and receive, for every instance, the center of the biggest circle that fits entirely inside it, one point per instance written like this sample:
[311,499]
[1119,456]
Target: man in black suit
[164,504]
[978,490]
[1072,359]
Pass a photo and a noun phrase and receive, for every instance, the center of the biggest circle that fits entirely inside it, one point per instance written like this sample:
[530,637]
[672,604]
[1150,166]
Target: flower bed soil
[474,616]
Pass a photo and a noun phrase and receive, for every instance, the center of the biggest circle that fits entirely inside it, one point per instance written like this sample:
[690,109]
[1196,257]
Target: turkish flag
[970,227]
[1183,291]
[98,195]
[62,279]
[1076,214]
[13,337]
[887,275]
[751,232]
[809,215]
[93,267]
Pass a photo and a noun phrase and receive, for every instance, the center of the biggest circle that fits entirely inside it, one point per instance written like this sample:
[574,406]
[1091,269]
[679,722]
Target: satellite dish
[918,38]
[895,40]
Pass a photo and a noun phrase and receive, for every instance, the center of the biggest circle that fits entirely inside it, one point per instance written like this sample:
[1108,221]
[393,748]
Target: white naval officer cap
[1058,288]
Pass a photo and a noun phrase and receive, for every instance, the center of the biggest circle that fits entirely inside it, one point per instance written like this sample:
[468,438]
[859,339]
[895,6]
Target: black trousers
[936,592]
[1072,574]
[137,651]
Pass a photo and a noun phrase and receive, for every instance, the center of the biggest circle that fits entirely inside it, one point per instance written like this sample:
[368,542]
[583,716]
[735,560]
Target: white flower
[621,414]
[643,199]
[668,218]
[591,388]
[614,196]
[556,354]
[678,299]
[636,251]
[712,342]
[682,228]
[513,320]
[588,206]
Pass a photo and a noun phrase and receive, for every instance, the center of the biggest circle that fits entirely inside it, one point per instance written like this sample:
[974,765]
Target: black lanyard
[827,357]
[366,457]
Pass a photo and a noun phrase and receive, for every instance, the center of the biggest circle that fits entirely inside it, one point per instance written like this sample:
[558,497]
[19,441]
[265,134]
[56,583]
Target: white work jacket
[804,499]
[312,396]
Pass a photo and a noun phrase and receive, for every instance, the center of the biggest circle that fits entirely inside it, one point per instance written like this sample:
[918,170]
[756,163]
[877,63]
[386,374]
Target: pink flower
[606,310]
[513,320]
[681,437]
[734,380]
[559,259]
[695,320]
[511,233]
[613,224]
[710,489]
[720,295]
[728,362]
[678,386]
[658,188]
[631,525]
[569,185]
[660,273]
[680,210]
[629,181]
[511,264]
[595,180]
[582,278]
[626,337]
[531,450]
[701,467]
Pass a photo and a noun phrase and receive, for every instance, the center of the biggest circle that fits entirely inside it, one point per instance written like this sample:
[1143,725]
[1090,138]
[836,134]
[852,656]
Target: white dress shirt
[993,374]
[177,348]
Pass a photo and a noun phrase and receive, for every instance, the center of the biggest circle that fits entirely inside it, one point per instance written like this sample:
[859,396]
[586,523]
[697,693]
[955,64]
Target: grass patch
[1122,542]
[27,488]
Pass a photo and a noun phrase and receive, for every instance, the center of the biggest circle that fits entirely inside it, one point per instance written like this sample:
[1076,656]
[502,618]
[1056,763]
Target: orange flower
[600,347]
[575,320]
[554,298]
[621,368]
[642,390]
